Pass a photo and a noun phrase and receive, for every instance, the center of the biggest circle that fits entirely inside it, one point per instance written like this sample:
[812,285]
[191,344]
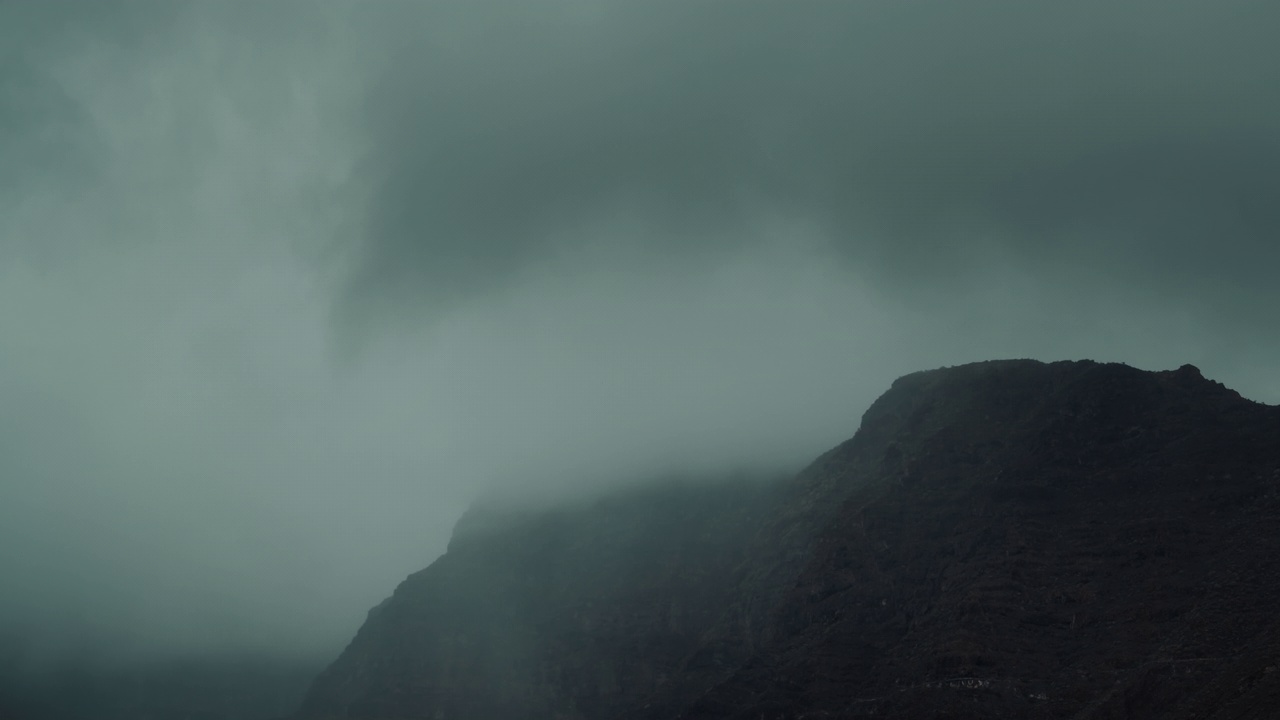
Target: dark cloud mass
[1133,138]
[284,286]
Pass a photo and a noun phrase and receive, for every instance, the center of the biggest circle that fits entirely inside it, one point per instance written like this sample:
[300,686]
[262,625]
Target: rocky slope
[1003,539]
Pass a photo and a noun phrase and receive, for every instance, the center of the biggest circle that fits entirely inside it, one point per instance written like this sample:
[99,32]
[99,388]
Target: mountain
[998,540]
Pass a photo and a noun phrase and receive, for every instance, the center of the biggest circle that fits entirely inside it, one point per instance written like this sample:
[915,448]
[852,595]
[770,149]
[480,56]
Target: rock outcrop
[998,540]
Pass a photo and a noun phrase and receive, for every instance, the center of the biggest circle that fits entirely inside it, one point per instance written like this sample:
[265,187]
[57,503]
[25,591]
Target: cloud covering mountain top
[283,286]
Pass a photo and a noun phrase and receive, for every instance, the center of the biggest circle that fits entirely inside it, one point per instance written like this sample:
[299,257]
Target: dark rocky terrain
[999,540]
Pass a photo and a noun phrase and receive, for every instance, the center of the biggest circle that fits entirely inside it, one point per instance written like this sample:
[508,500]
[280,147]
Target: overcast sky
[284,285]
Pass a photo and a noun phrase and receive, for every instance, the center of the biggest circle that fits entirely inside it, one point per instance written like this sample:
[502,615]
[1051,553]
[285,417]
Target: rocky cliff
[1003,539]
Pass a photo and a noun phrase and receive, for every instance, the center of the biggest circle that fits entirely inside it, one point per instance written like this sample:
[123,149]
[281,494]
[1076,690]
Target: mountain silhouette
[1005,539]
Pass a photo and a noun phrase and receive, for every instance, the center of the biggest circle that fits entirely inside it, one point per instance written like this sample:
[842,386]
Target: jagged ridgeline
[999,540]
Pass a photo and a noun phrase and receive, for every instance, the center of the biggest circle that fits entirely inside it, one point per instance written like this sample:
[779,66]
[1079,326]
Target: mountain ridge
[998,539]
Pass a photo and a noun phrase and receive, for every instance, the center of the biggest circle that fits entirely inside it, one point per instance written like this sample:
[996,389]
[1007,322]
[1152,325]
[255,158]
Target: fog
[285,286]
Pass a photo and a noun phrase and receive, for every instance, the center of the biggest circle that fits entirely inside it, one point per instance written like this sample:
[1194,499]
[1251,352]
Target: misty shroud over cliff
[1001,539]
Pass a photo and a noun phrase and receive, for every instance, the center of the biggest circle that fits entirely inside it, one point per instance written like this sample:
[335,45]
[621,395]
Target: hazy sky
[284,285]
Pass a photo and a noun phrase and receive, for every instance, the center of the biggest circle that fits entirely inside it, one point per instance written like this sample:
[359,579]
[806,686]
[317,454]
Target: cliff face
[586,611]
[1004,539]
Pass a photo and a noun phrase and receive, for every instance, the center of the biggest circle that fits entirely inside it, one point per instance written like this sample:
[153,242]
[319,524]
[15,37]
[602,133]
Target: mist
[285,286]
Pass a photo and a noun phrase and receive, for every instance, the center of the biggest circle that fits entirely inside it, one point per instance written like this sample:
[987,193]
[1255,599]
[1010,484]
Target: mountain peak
[999,539]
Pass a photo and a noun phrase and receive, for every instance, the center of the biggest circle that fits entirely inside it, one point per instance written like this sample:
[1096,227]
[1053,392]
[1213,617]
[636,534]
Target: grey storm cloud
[572,243]
[1138,139]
